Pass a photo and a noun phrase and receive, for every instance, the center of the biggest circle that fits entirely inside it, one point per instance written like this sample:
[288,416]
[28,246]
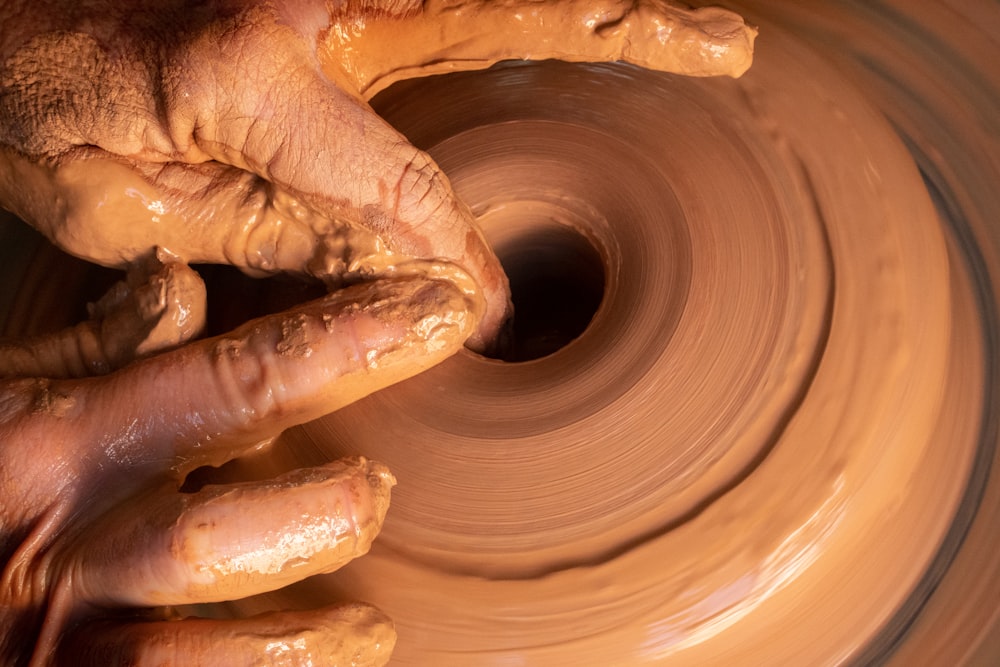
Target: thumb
[277,115]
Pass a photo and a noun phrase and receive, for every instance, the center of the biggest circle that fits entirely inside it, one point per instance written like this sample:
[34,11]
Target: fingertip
[350,634]
[231,541]
[206,402]
[381,482]
[490,334]
[407,324]
[492,337]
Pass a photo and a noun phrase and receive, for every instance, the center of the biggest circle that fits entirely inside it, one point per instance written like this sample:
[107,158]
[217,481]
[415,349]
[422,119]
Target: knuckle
[241,378]
[188,547]
[279,238]
[420,191]
[43,96]
[247,371]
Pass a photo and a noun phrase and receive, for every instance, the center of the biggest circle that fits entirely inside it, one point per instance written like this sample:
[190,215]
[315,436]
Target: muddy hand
[94,526]
[238,132]
[159,306]
[373,51]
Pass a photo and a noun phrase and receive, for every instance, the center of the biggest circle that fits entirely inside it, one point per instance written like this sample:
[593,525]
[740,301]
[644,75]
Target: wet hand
[239,132]
[97,538]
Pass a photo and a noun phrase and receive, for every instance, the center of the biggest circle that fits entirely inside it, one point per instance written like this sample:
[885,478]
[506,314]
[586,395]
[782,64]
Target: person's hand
[94,525]
[238,132]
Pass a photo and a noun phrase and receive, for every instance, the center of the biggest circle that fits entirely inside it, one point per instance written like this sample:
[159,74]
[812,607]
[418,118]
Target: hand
[95,527]
[239,133]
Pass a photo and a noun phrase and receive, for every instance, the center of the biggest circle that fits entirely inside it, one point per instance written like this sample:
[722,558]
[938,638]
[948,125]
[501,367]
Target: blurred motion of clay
[747,413]
[766,445]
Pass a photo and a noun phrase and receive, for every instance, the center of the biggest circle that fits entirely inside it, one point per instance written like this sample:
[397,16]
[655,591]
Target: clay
[780,393]
[773,443]
[373,50]
[268,231]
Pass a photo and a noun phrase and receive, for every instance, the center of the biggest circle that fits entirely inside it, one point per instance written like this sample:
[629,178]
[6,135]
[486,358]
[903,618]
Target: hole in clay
[557,284]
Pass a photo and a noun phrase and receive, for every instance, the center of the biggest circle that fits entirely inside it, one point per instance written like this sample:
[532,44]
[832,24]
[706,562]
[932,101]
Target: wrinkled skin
[90,472]
[239,133]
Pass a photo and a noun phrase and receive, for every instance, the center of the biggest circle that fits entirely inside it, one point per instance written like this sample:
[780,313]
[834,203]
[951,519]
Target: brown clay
[779,396]
[773,442]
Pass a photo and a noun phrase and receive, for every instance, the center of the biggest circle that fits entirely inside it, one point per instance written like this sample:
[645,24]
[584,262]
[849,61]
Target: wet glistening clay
[769,444]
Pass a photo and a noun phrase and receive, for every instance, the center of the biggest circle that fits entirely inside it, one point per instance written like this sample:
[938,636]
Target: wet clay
[348,635]
[780,393]
[772,444]
[272,230]
[373,50]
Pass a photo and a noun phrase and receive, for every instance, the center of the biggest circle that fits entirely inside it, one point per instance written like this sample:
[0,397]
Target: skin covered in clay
[958,155]
[100,522]
[429,37]
[346,635]
[159,306]
[185,548]
[760,449]
[310,197]
[126,132]
[207,185]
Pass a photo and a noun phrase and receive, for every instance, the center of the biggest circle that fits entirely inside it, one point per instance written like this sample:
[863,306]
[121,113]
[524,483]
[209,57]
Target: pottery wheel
[748,415]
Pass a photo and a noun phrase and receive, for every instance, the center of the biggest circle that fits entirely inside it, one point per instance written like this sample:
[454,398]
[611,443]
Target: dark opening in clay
[557,284]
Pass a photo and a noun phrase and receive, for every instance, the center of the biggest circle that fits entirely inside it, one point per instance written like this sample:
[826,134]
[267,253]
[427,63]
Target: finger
[326,218]
[231,541]
[243,90]
[202,403]
[160,306]
[445,36]
[226,215]
[115,211]
[322,145]
[349,635]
